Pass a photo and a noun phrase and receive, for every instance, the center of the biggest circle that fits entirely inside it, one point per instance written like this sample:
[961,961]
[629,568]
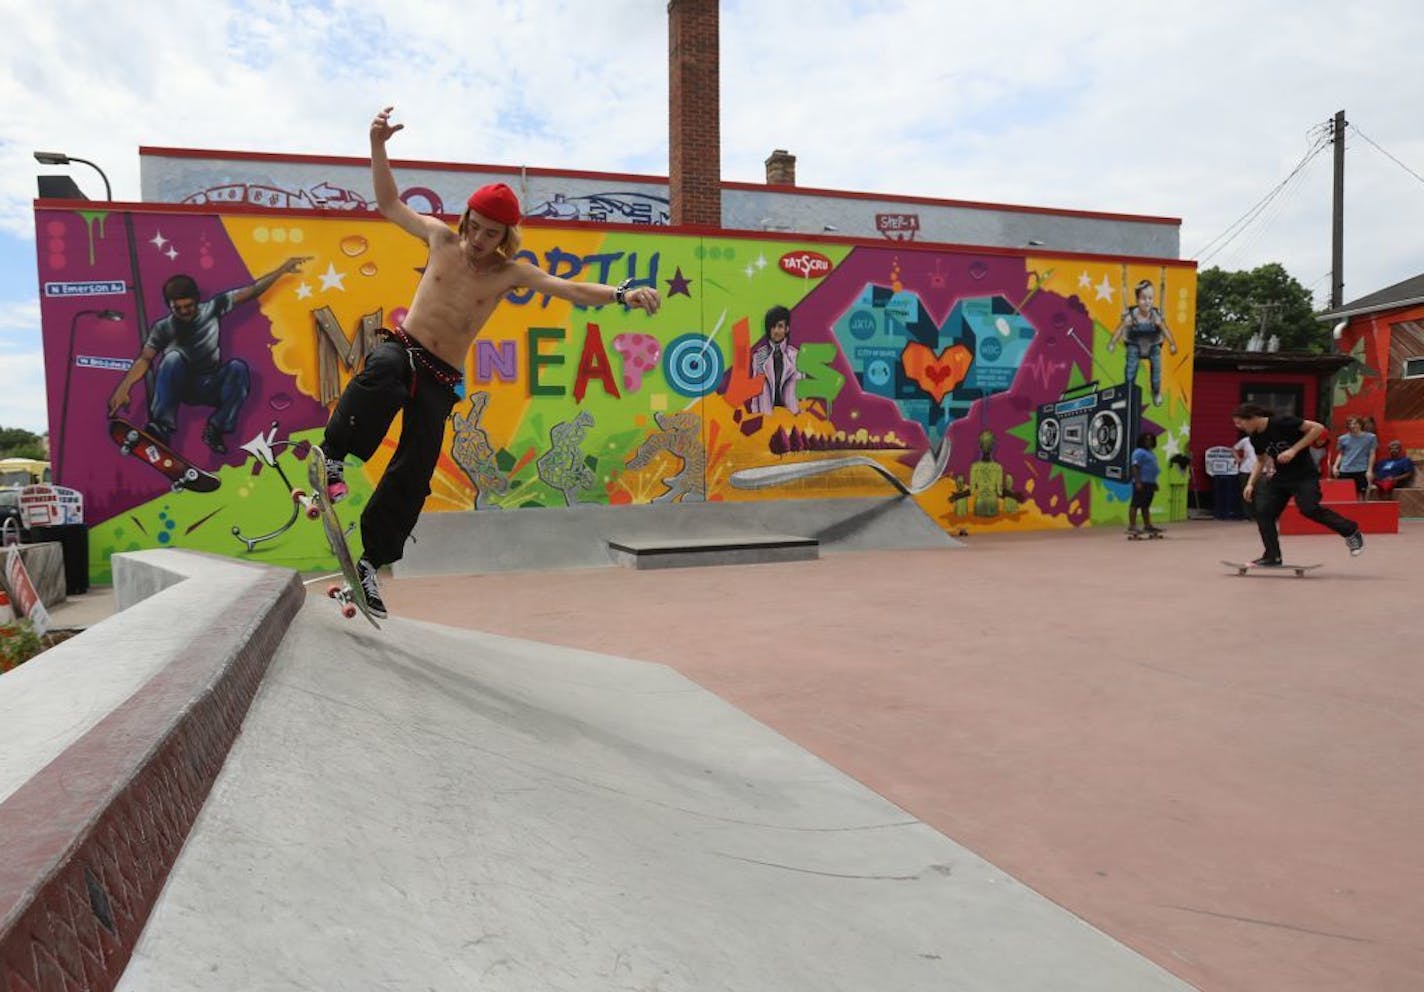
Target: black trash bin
[1226,498]
[74,542]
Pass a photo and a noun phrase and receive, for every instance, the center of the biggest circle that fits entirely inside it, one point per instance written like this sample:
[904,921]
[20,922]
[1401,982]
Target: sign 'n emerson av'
[112,287]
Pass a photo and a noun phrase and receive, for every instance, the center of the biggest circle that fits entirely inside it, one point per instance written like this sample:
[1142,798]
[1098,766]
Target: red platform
[1376,517]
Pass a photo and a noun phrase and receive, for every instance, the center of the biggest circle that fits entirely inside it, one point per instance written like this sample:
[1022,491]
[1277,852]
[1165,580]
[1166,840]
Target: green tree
[1233,306]
[16,442]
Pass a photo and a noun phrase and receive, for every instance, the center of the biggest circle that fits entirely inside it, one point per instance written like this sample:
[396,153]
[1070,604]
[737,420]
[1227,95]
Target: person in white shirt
[1245,465]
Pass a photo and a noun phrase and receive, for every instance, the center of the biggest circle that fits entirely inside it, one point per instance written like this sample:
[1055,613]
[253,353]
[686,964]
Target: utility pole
[1337,216]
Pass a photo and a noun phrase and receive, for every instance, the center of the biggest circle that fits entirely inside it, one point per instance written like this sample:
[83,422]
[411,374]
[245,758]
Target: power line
[1386,154]
[1264,222]
[1320,140]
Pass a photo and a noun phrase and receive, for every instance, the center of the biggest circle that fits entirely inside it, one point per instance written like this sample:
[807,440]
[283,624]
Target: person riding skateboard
[1284,439]
[414,369]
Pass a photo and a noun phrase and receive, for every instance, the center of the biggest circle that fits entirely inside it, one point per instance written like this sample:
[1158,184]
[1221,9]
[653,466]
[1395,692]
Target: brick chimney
[694,117]
[781,168]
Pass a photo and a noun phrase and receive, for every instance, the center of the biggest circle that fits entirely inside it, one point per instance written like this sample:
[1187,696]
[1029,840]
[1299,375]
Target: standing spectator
[1245,465]
[1355,456]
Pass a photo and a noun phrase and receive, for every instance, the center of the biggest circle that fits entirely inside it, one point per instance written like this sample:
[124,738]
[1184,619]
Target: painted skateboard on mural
[1242,567]
[349,595]
[181,473]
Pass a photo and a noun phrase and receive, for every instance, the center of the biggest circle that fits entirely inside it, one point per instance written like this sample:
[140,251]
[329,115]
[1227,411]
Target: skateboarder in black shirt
[1284,439]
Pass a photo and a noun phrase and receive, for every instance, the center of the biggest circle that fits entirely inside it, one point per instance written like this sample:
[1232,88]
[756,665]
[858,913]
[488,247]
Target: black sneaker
[1264,562]
[367,573]
[1356,543]
[212,437]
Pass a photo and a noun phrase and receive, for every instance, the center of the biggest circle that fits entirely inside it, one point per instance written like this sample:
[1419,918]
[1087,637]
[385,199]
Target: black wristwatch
[620,292]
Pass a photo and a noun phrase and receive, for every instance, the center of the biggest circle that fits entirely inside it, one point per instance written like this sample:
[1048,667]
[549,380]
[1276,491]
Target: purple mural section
[102,277]
[932,299]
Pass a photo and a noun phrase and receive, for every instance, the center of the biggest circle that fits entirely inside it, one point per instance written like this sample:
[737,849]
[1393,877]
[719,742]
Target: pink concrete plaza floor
[1224,773]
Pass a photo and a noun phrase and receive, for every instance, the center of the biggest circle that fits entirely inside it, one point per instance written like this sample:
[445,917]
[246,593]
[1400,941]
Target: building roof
[1231,360]
[1401,294]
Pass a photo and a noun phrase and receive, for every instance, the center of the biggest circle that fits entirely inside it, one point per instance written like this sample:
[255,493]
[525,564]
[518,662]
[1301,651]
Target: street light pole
[59,158]
[58,448]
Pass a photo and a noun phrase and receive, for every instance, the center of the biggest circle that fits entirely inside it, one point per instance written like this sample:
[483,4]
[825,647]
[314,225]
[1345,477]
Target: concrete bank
[109,743]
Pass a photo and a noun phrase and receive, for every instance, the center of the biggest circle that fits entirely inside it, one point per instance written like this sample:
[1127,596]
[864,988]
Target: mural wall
[1378,385]
[1000,390]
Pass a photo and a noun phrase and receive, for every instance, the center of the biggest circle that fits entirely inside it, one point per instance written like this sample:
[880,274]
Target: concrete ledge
[111,742]
[482,541]
[729,550]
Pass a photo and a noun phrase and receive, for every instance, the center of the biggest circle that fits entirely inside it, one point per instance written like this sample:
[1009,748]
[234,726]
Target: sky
[1197,110]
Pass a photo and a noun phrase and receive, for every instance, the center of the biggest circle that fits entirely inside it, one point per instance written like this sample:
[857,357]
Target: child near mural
[417,364]
[1145,471]
[1285,438]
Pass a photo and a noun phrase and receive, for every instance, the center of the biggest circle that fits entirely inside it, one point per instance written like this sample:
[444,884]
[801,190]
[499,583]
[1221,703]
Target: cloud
[22,401]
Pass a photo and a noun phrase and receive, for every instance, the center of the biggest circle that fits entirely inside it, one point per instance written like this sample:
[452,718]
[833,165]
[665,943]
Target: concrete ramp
[423,808]
[481,541]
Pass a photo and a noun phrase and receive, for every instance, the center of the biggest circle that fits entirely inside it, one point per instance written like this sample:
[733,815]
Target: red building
[1298,383]
[1383,335]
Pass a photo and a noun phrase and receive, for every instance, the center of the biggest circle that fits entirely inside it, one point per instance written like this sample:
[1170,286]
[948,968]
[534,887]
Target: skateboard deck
[1145,536]
[181,473]
[349,595]
[1243,567]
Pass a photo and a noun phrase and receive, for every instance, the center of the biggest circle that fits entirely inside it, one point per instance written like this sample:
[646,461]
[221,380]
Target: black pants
[1271,503]
[392,381]
[1362,483]
[1249,505]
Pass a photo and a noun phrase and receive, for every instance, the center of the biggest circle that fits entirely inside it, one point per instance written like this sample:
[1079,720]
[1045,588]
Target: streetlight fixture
[110,315]
[59,158]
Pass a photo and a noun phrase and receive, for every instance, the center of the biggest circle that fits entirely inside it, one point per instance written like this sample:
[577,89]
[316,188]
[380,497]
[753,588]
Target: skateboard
[349,595]
[1243,567]
[1145,535]
[181,473]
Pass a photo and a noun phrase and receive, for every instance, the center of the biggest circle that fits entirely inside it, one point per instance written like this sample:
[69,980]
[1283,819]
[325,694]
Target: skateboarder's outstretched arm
[388,200]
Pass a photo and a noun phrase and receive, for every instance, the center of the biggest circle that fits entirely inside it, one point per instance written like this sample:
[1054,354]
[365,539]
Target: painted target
[693,365]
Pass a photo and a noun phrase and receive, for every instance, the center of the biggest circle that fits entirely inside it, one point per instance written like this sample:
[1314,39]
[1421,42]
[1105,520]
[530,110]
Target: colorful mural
[986,385]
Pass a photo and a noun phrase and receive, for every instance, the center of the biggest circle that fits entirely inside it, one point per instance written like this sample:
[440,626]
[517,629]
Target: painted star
[760,262]
[303,291]
[750,270]
[1085,281]
[679,285]
[1104,289]
[172,253]
[331,279]
[158,240]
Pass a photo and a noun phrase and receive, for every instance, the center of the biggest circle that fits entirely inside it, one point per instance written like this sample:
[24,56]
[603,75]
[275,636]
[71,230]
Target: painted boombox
[1092,433]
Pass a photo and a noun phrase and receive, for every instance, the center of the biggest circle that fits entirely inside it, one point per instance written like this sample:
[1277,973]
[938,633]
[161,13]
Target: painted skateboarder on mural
[191,370]
[414,369]
[1144,328]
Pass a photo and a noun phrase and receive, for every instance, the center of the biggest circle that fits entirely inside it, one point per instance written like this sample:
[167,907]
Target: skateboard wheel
[348,611]
[313,511]
[334,592]
[298,496]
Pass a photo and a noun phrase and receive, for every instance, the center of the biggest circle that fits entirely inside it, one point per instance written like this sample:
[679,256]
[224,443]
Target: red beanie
[497,202]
